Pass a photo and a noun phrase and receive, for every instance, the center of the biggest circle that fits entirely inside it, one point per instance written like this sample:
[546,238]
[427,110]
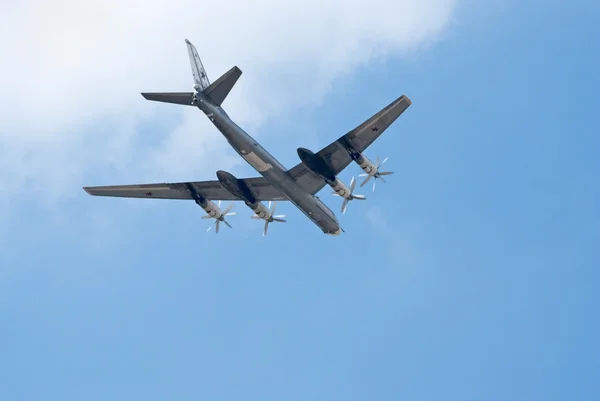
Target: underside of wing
[359,139]
[262,189]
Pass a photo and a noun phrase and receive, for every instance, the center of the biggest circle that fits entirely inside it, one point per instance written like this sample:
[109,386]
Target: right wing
[262,189]
[360,138]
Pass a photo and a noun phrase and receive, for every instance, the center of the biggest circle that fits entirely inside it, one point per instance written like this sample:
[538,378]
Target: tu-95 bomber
[298,185]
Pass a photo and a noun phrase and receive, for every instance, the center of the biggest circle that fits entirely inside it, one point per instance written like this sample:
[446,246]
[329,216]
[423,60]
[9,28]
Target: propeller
[378,174]
[224,213]
[271,217]
[351,196]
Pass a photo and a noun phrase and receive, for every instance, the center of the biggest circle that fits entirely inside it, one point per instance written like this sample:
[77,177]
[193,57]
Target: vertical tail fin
[217,91]
[201,81]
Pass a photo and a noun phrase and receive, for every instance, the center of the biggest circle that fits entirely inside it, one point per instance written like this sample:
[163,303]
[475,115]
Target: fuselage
[265,164]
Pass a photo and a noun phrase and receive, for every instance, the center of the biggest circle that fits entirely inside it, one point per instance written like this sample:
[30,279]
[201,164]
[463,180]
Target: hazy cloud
[72,72]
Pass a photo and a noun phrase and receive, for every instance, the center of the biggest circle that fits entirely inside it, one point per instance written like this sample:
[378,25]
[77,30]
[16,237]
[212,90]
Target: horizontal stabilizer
[218,90]
[184,98]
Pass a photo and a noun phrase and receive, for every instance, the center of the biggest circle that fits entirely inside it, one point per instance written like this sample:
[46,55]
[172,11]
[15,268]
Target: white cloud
[71,74]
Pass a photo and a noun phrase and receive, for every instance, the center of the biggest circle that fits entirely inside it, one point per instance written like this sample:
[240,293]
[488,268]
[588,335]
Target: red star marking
[148,193]
[374,129]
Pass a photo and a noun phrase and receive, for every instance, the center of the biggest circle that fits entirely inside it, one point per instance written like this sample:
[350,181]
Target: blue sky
[470,275]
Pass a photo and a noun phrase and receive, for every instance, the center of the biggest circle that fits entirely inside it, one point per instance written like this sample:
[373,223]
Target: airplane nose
[337,232]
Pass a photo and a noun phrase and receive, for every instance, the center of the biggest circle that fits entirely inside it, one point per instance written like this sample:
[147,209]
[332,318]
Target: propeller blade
[363,175]
[266,228]
[206,216]
[384,160]
[352,185]
[381,178]
[228,225]
[219,204]
[217,227]
[274,208]
[344,205]
[277,219]
[269,205]
[211,226]
[359,197]
[366,179]
[374,182]
[255,217]
[228,209]
[386,173]
[230,214]
[280,216]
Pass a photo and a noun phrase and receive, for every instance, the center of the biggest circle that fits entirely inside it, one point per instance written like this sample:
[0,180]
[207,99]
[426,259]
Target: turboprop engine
[371,170]
[320,167]
[340,189]
[241,190]
[212,211]
[268,215]
[236,187]
[316,164]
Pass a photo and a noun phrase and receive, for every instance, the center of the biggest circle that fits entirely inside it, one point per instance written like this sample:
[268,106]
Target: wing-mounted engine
[316,164]
[212,211]
[370,169]
[268,215]
[321,167]
[236,187]
[340,189]
[241,190]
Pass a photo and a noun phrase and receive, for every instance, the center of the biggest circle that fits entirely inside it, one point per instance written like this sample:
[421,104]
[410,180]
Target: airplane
[299,185]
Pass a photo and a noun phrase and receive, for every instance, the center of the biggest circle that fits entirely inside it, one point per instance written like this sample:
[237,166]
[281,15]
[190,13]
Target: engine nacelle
[316,164]
[365,164]
[260,210]
[340,188]
[207,205]
[212,210]
[236,187]
[368,167]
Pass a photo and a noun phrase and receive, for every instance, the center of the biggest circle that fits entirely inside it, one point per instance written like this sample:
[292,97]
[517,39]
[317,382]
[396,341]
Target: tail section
[216,92]
[183,98]
[201,81]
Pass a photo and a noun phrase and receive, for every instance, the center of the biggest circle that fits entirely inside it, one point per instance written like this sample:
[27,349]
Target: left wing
[360,138]
[262,189]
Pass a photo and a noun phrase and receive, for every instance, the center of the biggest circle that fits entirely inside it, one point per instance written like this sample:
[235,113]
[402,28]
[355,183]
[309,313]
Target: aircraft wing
[213,190]
[360,138]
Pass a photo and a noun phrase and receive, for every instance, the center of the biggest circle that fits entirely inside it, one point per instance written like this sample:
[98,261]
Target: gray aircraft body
[299,185]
